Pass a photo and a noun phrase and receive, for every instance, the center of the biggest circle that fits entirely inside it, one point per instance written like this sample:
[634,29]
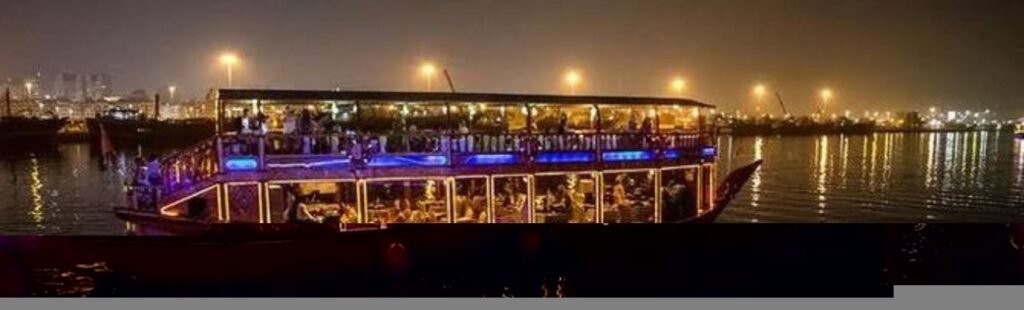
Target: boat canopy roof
[346,95]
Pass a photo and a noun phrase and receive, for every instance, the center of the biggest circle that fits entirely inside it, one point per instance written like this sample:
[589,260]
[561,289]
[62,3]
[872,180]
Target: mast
[156,107]
[449,78]
[777,96]
[7,100]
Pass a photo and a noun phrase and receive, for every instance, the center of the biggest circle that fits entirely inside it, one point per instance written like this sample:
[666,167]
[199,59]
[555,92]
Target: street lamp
[572,78]
[759,91]
[826,95]
[28,89]
[170,90]
[229,60]
[678,85]
[427,70]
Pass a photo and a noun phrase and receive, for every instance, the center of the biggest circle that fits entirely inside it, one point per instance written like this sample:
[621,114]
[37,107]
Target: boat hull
[20,129]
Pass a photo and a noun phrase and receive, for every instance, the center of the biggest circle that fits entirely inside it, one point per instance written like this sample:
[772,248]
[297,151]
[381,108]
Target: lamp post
[427,70]
[229,60]
[826,95]
[678,85]
[28,89]
[759,91]
[572,78]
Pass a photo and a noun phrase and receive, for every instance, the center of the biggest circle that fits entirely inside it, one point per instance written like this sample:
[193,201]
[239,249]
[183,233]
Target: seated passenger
[349,214]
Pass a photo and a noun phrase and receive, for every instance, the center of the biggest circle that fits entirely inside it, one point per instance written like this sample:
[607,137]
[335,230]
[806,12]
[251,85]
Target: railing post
[220,153]
[261,146]
[598,138]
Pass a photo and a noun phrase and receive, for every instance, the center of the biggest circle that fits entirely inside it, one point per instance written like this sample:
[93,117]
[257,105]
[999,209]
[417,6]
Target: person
[289,129]
[619,200]
[465,213]
[687,201]
[402,211]
[141,176]
[291,214]
[306,129]
[245,123]
[348,214]
[260,127]
[419,214]
[153,170]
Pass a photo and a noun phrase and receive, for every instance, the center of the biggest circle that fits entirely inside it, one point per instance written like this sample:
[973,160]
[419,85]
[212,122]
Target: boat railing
[204,160]
[190,166]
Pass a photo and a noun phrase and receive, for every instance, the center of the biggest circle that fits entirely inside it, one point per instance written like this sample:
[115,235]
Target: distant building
[83,87]
[69,86]
[97,86]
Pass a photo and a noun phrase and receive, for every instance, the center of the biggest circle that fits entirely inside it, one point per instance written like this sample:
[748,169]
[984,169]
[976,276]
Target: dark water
[59,190]
[884,177]
[947,177]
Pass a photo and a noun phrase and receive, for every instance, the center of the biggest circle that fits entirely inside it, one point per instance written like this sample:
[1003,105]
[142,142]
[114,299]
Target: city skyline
[901,56]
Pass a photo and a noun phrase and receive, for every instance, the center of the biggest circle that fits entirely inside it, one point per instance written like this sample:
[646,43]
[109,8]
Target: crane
[779,97]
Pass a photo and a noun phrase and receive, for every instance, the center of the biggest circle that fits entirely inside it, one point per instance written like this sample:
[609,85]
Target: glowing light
[826,95]
[428,70]
[229,60]
[573,78]
[759,91]
[678,85]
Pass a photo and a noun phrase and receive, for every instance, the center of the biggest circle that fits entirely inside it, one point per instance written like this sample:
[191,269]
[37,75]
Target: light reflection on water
[36,213]
[881,177]
[59,189]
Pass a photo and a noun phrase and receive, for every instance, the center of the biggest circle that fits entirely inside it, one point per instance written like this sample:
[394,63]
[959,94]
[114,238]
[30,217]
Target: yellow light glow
[678,85]
[573,78]
[759,90]
[826,94]
[427,70]
[228,59]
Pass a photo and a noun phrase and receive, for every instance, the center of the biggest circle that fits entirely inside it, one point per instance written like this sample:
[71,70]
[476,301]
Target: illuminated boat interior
[430,157]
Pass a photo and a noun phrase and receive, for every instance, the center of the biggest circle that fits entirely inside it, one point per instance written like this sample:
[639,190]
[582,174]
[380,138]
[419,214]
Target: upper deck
[301,134]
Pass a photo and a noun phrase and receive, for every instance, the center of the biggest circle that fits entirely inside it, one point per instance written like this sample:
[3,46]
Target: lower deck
[619,194]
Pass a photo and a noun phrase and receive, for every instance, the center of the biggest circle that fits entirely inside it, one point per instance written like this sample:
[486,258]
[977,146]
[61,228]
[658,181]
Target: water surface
[883,177]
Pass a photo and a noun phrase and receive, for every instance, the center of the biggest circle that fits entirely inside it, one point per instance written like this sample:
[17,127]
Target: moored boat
[127,126]
[20,128]
[294,162]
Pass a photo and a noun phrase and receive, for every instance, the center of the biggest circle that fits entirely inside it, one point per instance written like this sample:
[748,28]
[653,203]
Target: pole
[7,100]
[156,107]
[449,78]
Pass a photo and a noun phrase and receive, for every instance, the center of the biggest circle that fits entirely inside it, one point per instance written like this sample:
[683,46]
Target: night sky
[874,54]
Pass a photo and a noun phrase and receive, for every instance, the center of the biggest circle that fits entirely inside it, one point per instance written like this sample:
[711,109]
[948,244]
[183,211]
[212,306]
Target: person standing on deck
[290,124]
[646,129]
[153,170]
[305,129]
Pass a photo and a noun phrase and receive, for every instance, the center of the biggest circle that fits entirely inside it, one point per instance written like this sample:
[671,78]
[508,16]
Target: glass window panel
[568,198]
[629,197]
[679,194]
[510,199]
[471,200]
[407,201]
[314,201]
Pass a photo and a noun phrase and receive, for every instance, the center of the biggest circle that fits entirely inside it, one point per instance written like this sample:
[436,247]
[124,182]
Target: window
[565,198]
[407,201]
